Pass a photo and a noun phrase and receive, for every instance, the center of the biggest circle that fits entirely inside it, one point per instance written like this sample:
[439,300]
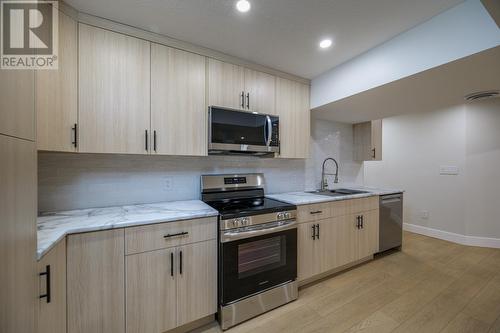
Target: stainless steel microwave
[241,132]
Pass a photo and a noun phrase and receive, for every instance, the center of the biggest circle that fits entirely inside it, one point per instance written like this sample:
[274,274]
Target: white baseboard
[453,237]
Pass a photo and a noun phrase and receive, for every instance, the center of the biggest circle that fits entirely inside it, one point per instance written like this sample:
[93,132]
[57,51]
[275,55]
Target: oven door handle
[228,236]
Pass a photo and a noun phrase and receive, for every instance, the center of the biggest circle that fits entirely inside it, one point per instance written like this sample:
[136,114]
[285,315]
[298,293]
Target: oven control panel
[240,222]
[283,216]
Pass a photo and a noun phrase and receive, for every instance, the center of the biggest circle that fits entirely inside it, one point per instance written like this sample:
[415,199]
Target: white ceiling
[282,34]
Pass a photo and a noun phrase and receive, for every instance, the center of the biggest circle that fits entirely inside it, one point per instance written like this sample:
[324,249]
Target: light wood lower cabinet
[18,273]
[151,291]
[52,269]
[96,282]
[172,287]
[368,235]
[333,242]
[197,285]
[313,253]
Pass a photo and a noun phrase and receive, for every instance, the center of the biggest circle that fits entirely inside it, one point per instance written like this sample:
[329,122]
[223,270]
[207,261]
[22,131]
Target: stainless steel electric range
[257,247]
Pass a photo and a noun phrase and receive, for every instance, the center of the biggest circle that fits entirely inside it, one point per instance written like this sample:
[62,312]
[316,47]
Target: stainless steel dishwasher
[391,221]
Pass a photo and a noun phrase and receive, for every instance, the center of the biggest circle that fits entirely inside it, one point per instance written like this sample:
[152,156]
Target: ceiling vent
[482,95]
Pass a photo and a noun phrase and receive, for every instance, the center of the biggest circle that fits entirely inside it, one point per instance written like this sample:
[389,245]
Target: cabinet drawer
[314,212]
[363,204]
[164,235]
[339,208]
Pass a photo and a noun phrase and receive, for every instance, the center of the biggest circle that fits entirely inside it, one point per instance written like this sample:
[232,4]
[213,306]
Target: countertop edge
[41,251]
[305,198]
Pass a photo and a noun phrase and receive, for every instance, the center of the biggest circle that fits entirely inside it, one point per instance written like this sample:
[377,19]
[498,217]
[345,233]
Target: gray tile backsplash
[72,181]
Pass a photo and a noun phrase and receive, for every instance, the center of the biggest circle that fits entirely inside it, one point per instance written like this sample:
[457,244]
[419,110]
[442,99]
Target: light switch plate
[451,170]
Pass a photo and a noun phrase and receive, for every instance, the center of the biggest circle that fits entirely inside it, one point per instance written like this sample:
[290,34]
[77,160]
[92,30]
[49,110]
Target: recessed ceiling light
[325,43]
[243,6]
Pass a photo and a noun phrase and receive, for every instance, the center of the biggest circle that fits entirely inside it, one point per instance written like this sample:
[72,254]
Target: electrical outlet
[424,215]
[450,170]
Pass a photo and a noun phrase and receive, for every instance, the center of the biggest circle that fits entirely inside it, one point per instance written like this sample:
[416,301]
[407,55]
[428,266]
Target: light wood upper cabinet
[260,92]
[178,109]
[292,106]
[52,315]
[56,94]
[18,276]
[196,285]
[226,84]
[151,291]
[96,282]
[17,95]
[236,87]
[114,92]
[368,141]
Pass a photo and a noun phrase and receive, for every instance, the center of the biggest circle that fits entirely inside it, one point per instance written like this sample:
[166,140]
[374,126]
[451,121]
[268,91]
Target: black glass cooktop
[231,208]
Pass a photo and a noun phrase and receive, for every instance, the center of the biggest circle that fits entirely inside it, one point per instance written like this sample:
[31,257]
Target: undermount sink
[338,192]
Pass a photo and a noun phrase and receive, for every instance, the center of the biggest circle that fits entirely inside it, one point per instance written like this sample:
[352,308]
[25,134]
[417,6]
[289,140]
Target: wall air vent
[482,95]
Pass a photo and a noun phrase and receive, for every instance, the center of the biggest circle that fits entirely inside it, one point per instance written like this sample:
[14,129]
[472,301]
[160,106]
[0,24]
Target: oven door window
[261,255]
[251,265]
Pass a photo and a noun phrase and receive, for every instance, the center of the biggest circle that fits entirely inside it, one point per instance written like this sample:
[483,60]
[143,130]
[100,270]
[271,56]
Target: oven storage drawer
[169,234]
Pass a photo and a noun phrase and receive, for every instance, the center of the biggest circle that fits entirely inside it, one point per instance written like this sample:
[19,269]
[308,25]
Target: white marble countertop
[305,198]
[52,227]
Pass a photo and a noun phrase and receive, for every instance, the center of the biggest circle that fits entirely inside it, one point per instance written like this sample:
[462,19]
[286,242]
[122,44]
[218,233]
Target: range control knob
[245,221]
[280,216]
[287,215]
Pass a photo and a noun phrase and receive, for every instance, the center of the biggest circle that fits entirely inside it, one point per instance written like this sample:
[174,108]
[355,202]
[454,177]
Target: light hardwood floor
[431,286]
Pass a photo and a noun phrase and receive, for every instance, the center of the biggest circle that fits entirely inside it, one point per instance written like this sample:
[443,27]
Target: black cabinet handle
[171,264]
[176,235]
[313,232]
[316,212]
[373,153]
[248,101]
[146,139]
[154,140]
[47,294]
[180,262]
[362,221]
[317,228]
[75,133]
[358,224]
[243,99]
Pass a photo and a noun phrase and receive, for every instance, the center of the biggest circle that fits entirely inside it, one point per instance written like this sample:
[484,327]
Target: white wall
[459,32]
[415,146]
[71,181]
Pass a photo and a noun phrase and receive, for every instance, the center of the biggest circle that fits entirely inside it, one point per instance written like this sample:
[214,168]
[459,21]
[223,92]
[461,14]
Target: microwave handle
[268,135]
